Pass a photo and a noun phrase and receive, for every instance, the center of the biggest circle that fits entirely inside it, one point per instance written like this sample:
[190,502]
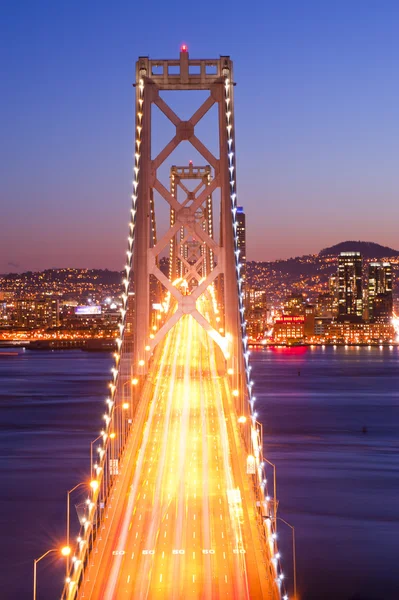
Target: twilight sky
[317,121]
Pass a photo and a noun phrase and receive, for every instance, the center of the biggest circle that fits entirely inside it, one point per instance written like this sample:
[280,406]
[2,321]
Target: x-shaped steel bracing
[185,218]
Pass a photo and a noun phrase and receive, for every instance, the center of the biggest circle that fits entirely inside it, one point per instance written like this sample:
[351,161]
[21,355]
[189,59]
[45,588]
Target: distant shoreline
[325,345]
[87,344]
[107,345]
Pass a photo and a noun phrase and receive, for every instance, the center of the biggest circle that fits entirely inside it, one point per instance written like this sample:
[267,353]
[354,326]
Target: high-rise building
[37,313]
[256,312]
[380,300]
[350,298]
[333,290]
[326,305]
[333,284]
[256,298]
[241,241]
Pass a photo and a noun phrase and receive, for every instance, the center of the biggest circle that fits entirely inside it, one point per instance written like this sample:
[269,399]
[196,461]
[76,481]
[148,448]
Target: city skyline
[317,131]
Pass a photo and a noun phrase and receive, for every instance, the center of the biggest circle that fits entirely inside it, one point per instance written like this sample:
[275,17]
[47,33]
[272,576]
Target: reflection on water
[331,425]
[51,406]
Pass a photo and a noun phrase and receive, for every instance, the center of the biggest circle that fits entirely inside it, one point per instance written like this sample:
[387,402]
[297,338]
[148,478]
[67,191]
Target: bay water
[331,426]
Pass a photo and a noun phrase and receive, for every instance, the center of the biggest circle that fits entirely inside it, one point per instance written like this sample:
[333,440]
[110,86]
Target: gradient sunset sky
[317,121]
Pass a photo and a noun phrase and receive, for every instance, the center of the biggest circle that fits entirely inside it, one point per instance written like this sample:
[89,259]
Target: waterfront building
[309,324]
[289,328]
[321,326]
[380,300]
[43,313]
[359,333]
[256,313]
[350,290]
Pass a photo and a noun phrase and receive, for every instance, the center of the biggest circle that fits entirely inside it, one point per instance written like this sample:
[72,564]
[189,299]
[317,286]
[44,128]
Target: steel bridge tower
[204,263]
[216,77]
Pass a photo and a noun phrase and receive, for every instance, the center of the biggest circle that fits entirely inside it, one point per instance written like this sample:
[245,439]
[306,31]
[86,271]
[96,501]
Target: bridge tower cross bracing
[183,253]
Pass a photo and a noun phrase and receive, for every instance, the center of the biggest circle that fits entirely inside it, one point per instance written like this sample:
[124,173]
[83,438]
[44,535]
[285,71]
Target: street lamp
[274,490]
[65,551]
[91,453]
[124,407]
[132,382]
[293,551]
[119,428]
[94,486]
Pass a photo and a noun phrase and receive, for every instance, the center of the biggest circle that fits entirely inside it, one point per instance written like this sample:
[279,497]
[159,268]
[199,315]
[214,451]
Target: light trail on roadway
[181,520]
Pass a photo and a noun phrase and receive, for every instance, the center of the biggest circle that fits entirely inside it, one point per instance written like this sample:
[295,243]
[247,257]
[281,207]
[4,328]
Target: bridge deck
[175,527]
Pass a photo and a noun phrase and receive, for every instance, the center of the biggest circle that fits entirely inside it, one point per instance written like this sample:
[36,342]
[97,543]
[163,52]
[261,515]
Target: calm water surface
[338,486]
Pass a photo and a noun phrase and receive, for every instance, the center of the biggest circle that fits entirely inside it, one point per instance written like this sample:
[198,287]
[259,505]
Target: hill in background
[366,249]
[309,274]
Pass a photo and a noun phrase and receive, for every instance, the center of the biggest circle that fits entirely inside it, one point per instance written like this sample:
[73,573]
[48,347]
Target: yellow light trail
[181,519]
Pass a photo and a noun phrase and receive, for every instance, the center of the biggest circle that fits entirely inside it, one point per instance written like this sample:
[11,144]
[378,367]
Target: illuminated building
[3,312]
[256,312]
[333,284]
[255,298]
[326,305]
[289,329]
[309,325]
[380,300]
[37,313]
[321,325]
[294,305]
[350,299]
[333,291]
[359,333]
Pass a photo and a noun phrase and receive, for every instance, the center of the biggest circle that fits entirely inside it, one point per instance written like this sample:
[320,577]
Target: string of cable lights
[256,442]
[101,469]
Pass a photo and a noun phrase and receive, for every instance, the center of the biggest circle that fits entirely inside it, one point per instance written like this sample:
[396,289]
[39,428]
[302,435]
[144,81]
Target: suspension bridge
[178,504]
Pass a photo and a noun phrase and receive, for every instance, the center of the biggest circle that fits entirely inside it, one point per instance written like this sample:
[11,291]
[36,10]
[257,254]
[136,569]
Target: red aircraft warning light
[183,48]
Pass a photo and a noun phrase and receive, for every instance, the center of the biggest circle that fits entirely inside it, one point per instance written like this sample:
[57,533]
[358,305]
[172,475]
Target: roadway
[181,519]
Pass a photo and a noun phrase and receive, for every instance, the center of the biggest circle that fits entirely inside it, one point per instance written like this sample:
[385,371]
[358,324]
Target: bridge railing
[121,411]
[266,509]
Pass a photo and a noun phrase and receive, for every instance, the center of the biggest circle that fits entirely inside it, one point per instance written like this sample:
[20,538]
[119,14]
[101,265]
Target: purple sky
[317,121]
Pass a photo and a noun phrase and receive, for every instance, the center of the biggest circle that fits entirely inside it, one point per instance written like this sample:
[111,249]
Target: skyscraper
[380,301]
[350,298]
[241,240]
